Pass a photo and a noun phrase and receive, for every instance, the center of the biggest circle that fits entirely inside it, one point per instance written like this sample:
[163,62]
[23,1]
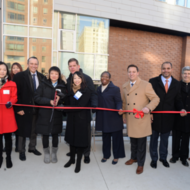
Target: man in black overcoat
[181,131]
[74,66]
[168,90]
[27,82]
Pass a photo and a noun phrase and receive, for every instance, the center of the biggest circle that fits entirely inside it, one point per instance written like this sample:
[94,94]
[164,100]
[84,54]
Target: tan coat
[139,96]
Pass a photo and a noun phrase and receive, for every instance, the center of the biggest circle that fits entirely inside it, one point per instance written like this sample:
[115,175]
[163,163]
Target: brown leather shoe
[139,170]
[130,162]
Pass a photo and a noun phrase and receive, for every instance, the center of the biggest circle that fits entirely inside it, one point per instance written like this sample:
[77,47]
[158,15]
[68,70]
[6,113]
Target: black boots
[9,163]
[1,161]
[68,164]
[72,157]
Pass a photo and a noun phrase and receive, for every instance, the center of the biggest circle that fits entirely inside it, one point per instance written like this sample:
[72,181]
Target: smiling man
[168,90]
[27,83]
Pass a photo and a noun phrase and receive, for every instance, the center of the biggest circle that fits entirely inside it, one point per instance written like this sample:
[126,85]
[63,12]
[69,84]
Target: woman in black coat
[110,123]
[49,121]
[78,120]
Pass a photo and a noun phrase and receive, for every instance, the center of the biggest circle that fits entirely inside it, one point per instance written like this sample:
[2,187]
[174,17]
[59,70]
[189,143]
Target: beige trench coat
[139,96]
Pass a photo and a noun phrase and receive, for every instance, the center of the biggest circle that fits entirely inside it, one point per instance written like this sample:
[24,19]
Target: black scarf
[3,81]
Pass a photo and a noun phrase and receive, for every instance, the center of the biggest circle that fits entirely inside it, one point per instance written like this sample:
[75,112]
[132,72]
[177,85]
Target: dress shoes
[114,162]
[22,156]
[153,164]
[173,160]
[68,154]
[103,160]
[185,163]
[86,159]
[130,162]
[36,152]
[139,170]
[165,163]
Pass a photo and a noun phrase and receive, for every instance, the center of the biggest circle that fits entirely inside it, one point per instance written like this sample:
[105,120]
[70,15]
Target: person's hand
[52,103]
[124,120]
[151,118]
[145,110]
[120,112]
[183,114]
[8,105]
[21,112]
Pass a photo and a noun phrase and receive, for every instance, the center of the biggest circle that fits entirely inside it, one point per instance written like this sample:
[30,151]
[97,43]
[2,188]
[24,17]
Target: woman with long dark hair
[8,97]
[49,121]
[78,120]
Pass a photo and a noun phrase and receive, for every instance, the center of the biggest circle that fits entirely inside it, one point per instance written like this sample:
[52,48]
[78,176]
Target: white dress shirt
[164,81]
[36,78]
[132,83]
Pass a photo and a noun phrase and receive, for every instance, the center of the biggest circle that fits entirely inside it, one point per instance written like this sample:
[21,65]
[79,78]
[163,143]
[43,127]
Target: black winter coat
[78,121]
[183,123]
[90,85]
[25,94]
[170,101]
[43,95]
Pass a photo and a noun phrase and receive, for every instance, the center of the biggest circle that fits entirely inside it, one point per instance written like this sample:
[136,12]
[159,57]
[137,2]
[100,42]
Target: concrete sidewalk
[35,174]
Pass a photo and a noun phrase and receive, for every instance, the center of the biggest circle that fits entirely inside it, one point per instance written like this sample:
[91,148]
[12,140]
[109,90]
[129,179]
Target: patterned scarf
[3,81]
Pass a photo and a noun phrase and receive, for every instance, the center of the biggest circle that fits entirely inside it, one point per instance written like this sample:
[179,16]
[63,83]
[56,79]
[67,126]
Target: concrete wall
[147,12]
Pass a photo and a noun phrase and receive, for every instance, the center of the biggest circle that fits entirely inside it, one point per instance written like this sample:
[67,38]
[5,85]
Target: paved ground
[34,174]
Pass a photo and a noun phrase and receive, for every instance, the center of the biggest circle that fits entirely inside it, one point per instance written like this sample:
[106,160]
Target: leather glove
[8,105]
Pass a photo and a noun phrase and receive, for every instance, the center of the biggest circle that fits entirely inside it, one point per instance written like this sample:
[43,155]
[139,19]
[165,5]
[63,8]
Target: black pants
[118,144]
[163,150]
[77,150]
[180,145]
[138,150]
[45,141]
[8,143]
[88,149]
[22,140]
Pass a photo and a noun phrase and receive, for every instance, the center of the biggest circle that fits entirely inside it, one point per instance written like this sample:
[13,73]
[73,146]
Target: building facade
[102,35]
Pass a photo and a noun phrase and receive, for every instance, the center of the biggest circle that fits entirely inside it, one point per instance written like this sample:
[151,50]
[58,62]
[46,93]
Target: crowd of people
[29,89]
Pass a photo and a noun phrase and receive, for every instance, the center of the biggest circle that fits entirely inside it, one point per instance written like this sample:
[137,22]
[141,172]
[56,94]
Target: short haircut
[186,68]
[73,59]
[106,73]
[167,62]
[54,68]
[33,57]
[133,66]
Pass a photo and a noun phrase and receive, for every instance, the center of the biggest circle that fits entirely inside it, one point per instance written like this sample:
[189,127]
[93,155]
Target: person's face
[73,67]
[186,76]
[3,71]
[15,69]
[33,65]
[77,80]
[132,73]
[166,70]
[105,79]
[54,75]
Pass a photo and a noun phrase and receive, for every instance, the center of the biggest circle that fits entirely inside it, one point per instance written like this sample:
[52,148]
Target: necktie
[132,84]
[34,81]
[166,86]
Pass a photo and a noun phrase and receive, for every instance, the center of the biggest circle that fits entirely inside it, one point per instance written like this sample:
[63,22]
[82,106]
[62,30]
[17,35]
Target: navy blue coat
[109,121]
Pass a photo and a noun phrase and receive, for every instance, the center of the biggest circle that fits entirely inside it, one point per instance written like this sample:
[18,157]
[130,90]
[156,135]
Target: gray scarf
[3,81]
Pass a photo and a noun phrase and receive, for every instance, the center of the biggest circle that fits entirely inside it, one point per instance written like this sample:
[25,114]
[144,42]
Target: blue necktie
[34,81]
[132,84]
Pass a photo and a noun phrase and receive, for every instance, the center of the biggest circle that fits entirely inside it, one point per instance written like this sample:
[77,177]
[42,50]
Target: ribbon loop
[138,113]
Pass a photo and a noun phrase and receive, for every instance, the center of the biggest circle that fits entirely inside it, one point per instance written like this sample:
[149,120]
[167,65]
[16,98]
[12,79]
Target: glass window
[180,2]
[34,20]
[86,63]
[55,31]
[44,57]
[67,21]
[92,35]
[33,39]
[101,65]
[43,10]
[67,40]
[15,51]
[45,1]
[33,48]
[14,12]
[188,3]
[40,32]
[15,30]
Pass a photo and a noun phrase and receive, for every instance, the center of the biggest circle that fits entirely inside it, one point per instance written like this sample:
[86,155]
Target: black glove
[8,105]
[61,95]
[60,105]
[93,110]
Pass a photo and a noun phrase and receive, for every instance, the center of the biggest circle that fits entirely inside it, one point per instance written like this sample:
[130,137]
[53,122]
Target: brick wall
[147,50]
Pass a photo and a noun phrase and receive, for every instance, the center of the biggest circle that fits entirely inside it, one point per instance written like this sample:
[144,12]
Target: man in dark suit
[181,132]
[27,83]
[168,90]
[74,66]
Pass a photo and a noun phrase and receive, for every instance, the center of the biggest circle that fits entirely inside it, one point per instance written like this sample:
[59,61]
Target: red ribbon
[138,113]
